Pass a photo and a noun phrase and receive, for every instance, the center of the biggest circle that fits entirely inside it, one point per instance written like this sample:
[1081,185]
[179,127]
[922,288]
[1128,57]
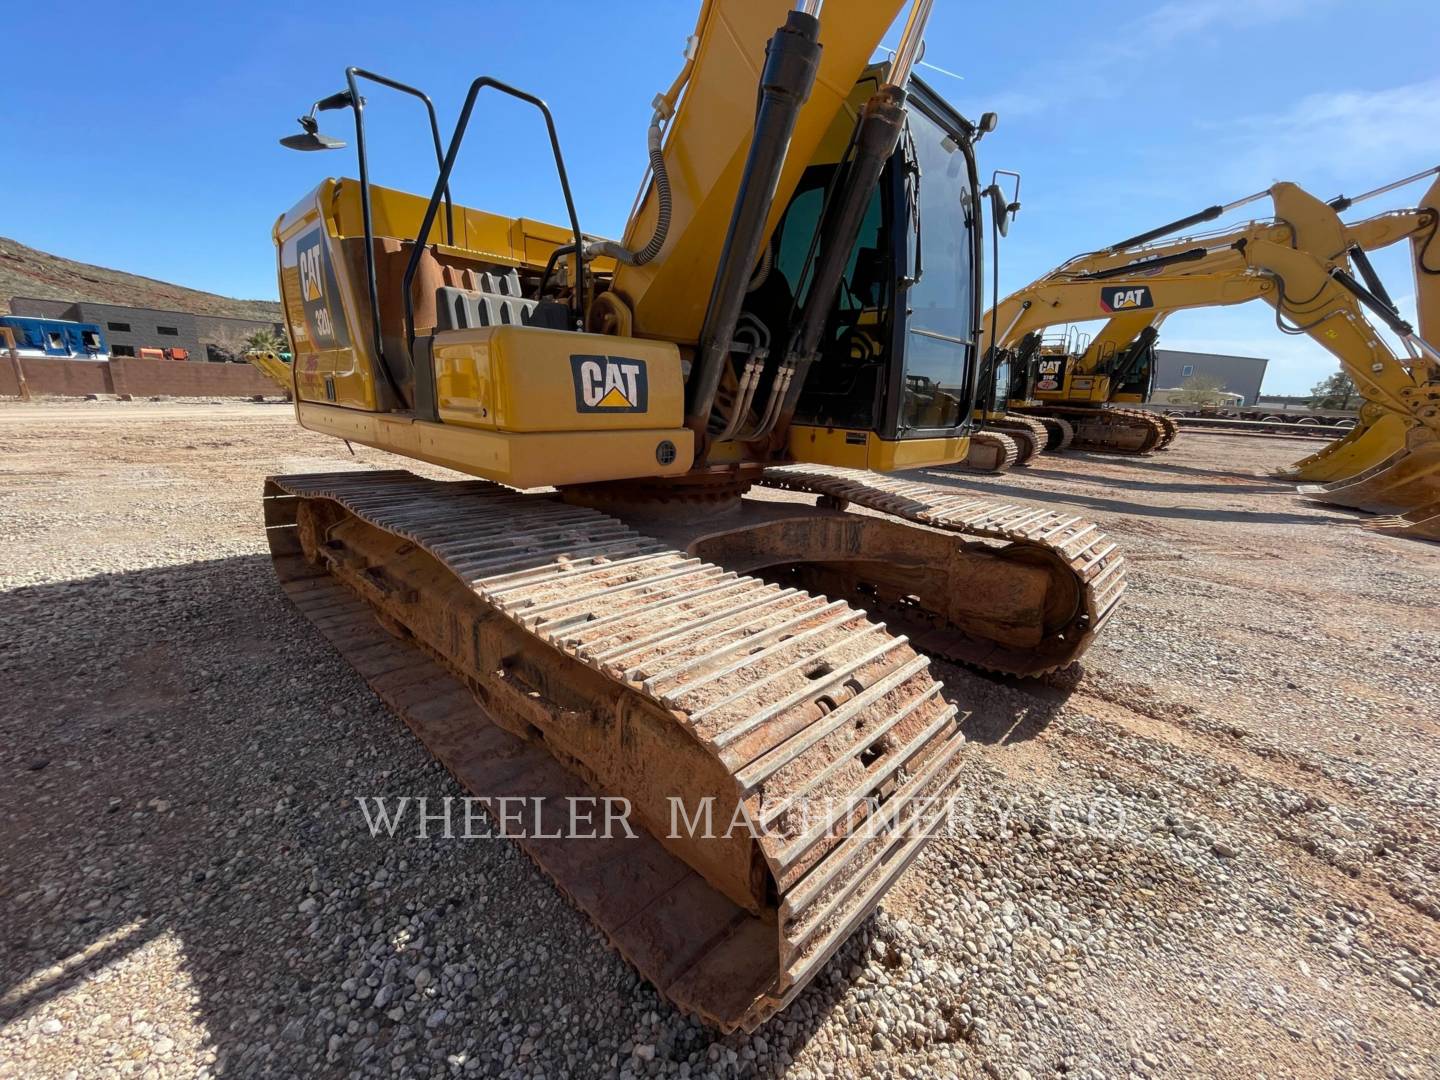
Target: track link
[1172,429]
[1029,431]
[1060,431]
[991,452]
[1097,566]
[1110,429]
[783,699]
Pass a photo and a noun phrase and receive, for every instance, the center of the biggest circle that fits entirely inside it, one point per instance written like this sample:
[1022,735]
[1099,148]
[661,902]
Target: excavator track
[646,671]
[548,653]
[1172,429]
[1026,430]
[1060,431]
[991,452]
[1096,567]
[1110,430]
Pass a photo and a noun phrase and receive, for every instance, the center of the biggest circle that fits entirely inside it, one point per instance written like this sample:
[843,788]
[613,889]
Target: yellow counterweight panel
[710,135]
[321,304]
[523,460]
[1081,387]
[866,450]
[325,296]
[526,379]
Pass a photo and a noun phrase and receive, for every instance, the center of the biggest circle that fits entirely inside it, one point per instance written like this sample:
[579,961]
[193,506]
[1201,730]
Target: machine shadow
[1001,710]
[170,775]
[988,483]
[1250,485]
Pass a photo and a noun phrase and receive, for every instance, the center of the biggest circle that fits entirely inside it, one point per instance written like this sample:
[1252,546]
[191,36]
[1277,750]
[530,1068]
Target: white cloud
[1177,21]
[1092,74]
[1334,136]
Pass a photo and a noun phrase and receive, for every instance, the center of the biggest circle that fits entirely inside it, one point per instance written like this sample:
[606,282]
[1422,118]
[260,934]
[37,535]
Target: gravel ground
[1212,852]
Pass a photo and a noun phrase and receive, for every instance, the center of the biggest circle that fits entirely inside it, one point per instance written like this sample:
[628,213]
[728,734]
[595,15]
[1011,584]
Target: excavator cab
[898,359]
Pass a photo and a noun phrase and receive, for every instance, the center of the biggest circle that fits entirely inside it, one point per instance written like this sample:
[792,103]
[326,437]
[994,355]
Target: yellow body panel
[866,450]
[710,135]
[524,460]
[338,368]
[1079,386]
[526,379]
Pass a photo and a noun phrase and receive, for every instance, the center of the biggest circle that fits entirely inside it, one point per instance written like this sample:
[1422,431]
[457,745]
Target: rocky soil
[1212,852]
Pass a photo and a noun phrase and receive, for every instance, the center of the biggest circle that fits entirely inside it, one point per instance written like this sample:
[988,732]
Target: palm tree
[263,341]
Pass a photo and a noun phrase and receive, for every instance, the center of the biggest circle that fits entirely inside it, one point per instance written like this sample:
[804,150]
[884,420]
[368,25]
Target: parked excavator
[652,629]
[273,366]
[1386,463]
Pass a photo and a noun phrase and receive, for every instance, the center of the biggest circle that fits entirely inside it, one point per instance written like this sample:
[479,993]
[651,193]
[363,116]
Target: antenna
[932,67]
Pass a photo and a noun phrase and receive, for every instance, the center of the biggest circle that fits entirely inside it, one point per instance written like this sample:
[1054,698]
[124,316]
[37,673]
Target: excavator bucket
[1366,448]
[1407,481]
[1424,524]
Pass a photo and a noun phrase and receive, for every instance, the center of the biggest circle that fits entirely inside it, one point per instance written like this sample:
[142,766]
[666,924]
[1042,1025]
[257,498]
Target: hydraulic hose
[662,217]
[792,59]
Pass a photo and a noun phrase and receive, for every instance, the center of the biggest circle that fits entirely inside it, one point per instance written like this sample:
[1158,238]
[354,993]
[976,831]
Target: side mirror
[1002,210]
[999,209]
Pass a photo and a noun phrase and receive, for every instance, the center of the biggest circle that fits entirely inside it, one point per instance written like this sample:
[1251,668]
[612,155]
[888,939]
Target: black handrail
[357,104]
[441,183]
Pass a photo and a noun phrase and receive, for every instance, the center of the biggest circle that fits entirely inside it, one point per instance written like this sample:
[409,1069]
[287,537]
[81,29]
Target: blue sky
[151,145]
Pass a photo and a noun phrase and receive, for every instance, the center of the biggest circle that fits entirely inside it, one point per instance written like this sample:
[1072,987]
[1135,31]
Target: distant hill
[27,272]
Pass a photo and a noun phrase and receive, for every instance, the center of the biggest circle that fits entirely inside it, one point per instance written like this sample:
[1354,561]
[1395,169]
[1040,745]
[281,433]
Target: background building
[1236,374]
[129,329]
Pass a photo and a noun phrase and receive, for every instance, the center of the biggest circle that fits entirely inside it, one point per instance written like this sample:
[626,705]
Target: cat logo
[1125,298]
[310,286]
[1051,372]
[609,384]
[317,283]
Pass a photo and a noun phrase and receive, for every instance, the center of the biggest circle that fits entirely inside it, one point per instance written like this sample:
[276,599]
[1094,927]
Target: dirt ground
[1211,852]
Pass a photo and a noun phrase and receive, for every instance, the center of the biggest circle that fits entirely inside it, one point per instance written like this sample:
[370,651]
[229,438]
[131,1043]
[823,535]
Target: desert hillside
[24,271]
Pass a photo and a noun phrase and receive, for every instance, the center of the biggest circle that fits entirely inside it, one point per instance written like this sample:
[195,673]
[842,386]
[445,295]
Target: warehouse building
[180,334]
[1236,374]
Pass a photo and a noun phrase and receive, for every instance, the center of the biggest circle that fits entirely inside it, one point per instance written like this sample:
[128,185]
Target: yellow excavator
[690,619]
[1301,263]
[273,366]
